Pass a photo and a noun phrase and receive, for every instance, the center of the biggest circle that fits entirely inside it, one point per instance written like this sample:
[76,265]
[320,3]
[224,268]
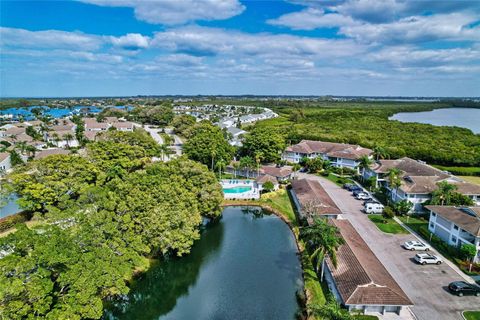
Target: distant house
[237,135]
[311,200]
[123,126]
[418,181]
[62,138]
[339,154]
[5,164]
[360,282]
[282,174]
[456,225]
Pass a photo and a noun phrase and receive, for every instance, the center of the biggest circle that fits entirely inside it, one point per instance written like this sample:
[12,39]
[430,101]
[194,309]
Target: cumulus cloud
[311,18]
[48,39]
[131,41]
[174,12]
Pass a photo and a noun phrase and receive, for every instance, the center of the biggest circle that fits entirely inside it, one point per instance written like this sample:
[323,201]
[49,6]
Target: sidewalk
[445,260]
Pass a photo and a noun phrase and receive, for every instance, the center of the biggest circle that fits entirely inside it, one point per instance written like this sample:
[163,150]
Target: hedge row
[461,171]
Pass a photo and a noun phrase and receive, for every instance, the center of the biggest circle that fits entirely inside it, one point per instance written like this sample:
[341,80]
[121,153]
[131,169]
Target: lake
[245,266]
[460,117]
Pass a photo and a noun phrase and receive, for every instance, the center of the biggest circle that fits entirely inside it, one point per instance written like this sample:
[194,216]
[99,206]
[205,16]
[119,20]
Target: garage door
[378,309]
[392,309]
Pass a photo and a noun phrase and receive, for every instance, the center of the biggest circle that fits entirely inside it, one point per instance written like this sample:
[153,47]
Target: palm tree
[323,239]
[364,164]
[220,166]
[295,169]
[163,148]
[68,137]
[443,194]
[394,180]
[213,154]
[258,159]
[22,146]
[329,311]
[380,152]
[236,166]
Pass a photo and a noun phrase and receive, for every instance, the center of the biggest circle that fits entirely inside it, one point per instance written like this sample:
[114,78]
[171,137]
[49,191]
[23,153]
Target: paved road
[425,285]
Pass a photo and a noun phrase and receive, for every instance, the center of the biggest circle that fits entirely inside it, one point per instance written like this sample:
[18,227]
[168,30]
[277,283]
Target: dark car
[369,201]
[357,192]
[462,288]
[348,186]
[355,188]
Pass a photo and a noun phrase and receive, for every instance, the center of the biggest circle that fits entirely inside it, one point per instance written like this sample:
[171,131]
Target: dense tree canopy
[266,142]
[208,145]
[160,115]
[183,124]
[94,228]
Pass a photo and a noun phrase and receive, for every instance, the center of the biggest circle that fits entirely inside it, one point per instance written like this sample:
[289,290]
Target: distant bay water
[468,118]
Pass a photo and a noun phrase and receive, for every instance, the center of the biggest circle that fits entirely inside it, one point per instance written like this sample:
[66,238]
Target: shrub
[388,212]
[468,251]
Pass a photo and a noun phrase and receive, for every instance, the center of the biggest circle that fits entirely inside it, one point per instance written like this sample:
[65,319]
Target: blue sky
[339,47]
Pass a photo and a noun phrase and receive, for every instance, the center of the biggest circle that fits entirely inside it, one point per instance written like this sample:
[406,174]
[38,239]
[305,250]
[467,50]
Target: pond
[245,266]
[460,117]
[8,206]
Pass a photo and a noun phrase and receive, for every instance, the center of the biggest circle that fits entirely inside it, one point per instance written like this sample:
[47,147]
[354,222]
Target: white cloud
[48,39]
[174,12]
[131,41]
[213,41]
[311,18]
[415,29]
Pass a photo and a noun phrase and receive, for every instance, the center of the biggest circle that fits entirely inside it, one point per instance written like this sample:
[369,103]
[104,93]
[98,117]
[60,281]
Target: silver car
[416,245]
[427,258]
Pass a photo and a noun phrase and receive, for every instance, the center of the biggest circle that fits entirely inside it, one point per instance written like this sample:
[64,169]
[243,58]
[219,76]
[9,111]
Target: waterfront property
[339,154]
[418,181]
[311,200]
[456,225]
[360,281]
[240,189]
[281,173]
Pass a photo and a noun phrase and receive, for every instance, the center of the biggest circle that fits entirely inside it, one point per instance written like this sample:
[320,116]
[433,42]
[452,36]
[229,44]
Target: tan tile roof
[467,188]
[310,191]
[458,216]
[14,131]
[266,177]
[339,150]
[409,167]
[90,135]
[360,277]
[4,155]
[278,172]
[120,125]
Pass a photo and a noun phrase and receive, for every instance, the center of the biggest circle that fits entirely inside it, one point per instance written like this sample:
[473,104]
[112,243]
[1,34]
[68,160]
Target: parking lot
[425,285]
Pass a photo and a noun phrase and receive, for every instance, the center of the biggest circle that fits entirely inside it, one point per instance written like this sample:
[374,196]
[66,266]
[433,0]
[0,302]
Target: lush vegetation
[461,171]
[386,225]
[208,145]
[367,124]
[264,144]
[471,179]
[471,315]
[100,219]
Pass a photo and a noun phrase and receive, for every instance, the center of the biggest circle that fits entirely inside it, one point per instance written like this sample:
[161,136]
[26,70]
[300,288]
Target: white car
[363,196]
[416,245]
[427,258]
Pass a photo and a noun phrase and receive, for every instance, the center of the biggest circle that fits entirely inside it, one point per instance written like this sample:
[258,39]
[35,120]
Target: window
[455,227]
[454,239]
[434,214]
[431,225]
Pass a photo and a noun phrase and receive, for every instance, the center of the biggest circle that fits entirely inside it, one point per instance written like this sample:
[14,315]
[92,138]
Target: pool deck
[254,193]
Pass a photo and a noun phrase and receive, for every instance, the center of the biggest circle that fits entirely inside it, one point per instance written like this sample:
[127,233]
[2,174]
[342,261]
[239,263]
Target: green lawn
[365,317]
[416,224]
[281,201]
[337,180]
[390,226]
[471,179]
[472,315]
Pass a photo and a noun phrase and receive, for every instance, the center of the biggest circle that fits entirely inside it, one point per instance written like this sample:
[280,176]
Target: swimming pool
[239,189]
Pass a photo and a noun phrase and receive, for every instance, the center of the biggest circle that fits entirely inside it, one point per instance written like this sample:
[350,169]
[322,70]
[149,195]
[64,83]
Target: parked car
[416,245]
[427,258]
[348,186]
[357,192]
[370,201]
[356,188]
[373,207]
[462,288]
[363,196]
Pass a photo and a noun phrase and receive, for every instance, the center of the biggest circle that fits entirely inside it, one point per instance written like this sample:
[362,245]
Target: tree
[68,137]
[394,181]
[329,311]
[268,186]
[468,251]
[296,167]
[246,164]
[380,152]
[402,207]
[15,158]
[322,240]
[220,167]
[388,212]
[268,142]
[364,164]
[446,194]
[207,145]
[182,123]
[314,165]
[164,150]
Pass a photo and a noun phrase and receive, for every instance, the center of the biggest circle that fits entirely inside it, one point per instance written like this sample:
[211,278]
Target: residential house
[122,126]
[261,180]
[418,181]
[311,200]
[5,164]
[339,154]
[48,152]
[237,136]
[456,225]
[360,282]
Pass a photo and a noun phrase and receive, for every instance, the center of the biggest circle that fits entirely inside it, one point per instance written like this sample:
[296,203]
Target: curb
[445,260]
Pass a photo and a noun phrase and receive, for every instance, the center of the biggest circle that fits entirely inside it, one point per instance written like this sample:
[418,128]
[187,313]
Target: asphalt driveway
[425,285]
